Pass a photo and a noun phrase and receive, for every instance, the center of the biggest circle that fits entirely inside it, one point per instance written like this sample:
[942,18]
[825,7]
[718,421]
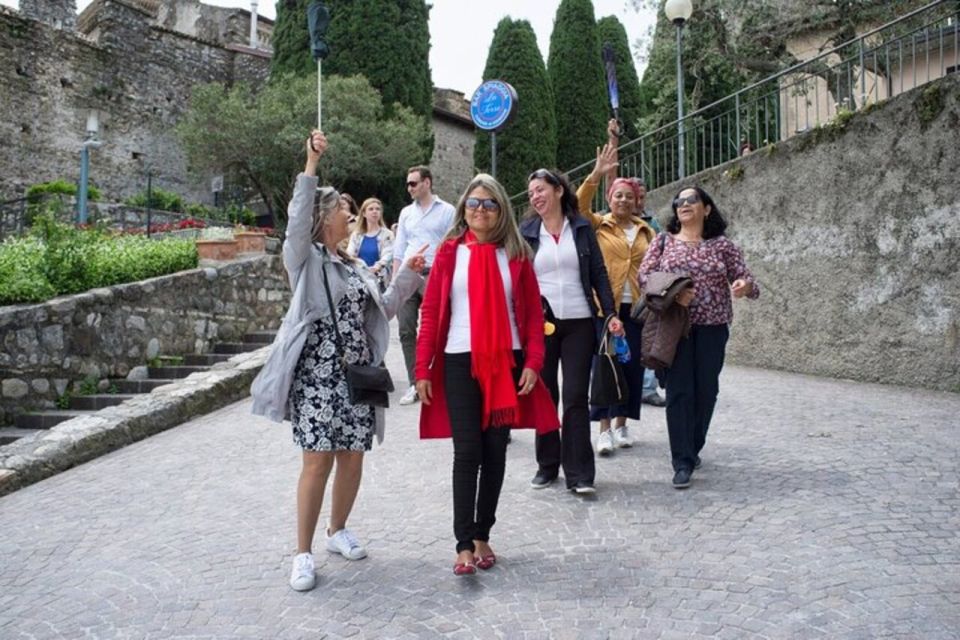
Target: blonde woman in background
[371,241]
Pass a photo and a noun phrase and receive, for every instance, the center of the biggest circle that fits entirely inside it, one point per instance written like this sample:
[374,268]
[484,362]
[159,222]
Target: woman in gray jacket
[304,378]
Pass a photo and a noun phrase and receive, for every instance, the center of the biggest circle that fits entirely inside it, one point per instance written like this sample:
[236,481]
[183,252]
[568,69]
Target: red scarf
[491,343]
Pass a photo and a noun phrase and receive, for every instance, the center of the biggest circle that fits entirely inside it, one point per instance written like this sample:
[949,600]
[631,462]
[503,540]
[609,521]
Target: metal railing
[898,56]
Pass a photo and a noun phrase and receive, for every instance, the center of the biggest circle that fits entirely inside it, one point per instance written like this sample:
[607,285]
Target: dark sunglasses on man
[412,183]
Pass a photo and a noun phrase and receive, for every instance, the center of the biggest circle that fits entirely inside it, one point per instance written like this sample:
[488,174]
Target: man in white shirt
[425,221]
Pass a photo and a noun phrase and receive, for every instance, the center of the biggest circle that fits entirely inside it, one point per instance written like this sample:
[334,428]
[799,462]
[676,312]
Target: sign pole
[492,106]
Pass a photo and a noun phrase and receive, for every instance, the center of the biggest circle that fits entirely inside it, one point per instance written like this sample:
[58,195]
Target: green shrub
[22,277]
[35,192]
[159,199]
[60,259]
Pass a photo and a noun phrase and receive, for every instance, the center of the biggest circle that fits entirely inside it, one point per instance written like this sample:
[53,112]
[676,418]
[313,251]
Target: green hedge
[59,259]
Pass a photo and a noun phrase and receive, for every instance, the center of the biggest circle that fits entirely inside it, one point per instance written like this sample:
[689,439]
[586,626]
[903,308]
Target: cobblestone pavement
[824,509]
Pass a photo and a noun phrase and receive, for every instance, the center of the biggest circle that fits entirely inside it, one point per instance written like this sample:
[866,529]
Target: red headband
[624,182]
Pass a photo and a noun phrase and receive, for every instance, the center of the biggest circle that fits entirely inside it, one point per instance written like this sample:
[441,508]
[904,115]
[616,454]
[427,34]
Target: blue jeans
[649,382]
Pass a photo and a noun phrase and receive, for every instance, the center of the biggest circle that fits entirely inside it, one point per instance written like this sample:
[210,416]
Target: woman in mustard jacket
[623,237]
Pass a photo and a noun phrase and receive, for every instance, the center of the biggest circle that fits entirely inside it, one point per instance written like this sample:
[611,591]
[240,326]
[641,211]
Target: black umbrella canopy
[318,19]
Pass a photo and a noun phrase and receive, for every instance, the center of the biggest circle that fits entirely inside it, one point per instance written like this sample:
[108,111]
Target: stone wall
[139,77]
[105,332]
[453,140]
[854,235]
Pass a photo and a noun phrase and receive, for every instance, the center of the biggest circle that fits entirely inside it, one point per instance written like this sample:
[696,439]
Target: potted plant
[216,243]
[250,240]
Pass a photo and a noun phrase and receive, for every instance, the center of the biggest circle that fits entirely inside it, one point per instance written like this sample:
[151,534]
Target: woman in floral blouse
[695,245]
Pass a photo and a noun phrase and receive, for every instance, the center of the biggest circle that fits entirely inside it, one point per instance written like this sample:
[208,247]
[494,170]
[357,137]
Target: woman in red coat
[481,338]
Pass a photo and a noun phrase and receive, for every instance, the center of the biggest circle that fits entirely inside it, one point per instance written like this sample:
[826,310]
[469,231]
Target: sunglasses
[488,204]
[691,199]
[543,174]
[412,183]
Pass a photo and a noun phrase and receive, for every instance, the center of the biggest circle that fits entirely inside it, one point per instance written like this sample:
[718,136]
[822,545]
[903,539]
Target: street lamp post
[91,142]
[678,12]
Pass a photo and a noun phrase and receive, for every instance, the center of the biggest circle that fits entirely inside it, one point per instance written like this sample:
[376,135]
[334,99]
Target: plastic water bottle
[621,348]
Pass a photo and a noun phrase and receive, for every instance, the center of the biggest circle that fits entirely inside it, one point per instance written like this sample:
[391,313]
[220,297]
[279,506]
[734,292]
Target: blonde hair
[362,220]
[505,233]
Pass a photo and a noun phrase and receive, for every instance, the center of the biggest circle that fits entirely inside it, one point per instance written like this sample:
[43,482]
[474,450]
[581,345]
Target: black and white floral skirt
[323,418]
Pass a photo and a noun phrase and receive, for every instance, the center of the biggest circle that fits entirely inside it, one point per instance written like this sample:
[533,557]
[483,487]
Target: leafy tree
[261,136]
[611,30]
[530,140]
[579,85]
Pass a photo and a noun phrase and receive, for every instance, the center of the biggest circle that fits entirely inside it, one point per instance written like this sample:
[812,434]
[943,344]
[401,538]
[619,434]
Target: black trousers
[571,345]
[692,384]
[476,452]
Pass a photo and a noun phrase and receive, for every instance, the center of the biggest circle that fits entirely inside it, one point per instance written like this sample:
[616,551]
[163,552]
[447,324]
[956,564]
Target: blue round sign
[492,105]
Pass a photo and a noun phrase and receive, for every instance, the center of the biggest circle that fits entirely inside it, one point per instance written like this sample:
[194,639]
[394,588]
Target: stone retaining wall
[854,234]
[105,332]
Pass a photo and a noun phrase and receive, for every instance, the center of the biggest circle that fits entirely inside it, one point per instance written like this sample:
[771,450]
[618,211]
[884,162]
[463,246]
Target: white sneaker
[410,396]
[346,544]
[304,575]
[621,437]
[605,443]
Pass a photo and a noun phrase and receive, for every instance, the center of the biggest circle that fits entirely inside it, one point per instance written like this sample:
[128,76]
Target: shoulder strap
[663,243]
[333,311]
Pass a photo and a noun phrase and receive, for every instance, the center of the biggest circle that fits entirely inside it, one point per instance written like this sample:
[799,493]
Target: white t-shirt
[458,338]
[558,273]
[631,233]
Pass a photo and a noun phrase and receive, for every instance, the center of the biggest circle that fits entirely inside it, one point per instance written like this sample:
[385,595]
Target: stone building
[134,62]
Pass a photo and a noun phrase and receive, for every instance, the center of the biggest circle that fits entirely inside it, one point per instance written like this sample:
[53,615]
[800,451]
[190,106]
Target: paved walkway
[824,509]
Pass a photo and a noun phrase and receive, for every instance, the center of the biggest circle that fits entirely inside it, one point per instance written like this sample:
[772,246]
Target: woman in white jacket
[371,241]
[304,378]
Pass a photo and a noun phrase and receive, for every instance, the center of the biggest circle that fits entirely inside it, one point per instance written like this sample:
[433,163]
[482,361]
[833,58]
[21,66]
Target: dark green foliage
[59,259]
[35,192]
[159,199]
[579,85]
[290,40]
[388,42]
[609,29]
[530,140]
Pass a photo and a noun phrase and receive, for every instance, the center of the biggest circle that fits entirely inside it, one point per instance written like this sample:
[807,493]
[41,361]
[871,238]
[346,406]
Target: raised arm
[296,246]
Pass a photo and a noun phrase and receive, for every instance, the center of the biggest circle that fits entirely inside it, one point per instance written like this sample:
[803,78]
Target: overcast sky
[461,31]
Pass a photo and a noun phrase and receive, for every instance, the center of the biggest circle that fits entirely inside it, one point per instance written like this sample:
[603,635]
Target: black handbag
[366,384]
[608,384]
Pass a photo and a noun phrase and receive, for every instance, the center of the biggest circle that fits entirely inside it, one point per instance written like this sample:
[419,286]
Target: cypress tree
[611,30]
[530,140]
[291,42]
[579,85]
[388,42]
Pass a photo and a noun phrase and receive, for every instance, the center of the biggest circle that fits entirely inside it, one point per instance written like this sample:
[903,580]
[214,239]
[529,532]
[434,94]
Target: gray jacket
[304,262]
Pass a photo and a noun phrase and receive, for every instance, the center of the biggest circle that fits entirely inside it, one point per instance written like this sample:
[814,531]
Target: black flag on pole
[318,19]
[610,65]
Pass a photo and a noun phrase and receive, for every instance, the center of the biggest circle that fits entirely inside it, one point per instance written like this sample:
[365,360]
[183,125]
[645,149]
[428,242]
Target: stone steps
[98,401]
[12,434]
[205,359]
[139,386]
[48,418]
[173,372]
[30,423]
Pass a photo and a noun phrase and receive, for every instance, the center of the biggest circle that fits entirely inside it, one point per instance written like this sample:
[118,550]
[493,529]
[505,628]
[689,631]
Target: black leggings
[476,451]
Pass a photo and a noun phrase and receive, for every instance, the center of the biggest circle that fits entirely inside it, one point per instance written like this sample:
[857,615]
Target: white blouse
[558,273]
[458,338]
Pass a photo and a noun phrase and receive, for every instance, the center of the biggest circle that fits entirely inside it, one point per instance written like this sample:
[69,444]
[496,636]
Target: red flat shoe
[464,569]
[486,562]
